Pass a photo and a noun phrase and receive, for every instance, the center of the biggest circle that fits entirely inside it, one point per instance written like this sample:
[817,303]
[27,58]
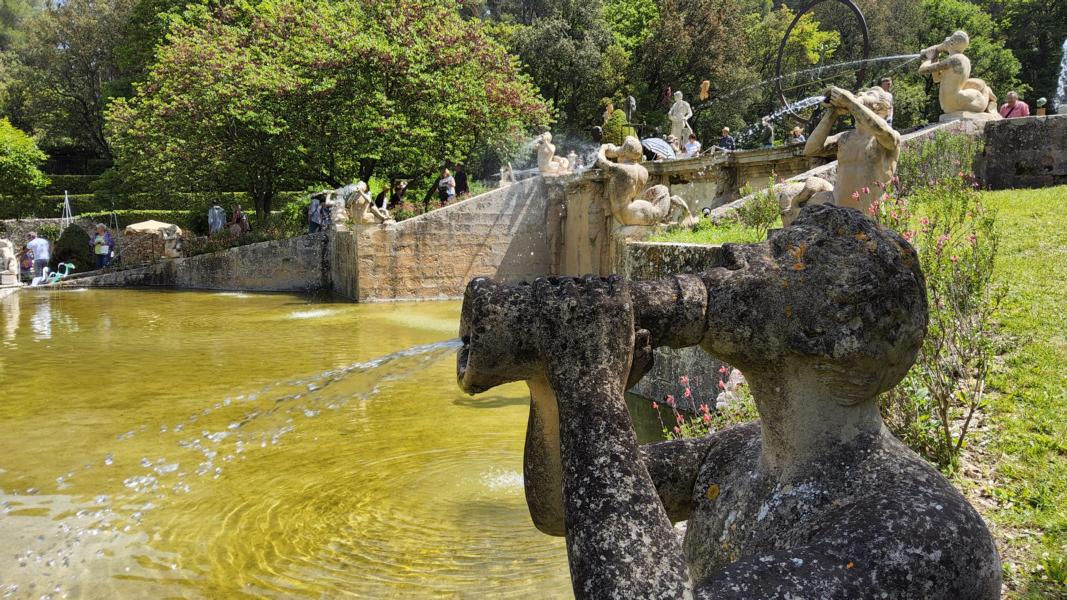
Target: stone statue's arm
[542,469]
[620,542]
[886,136]
[933,66]
[602,160]
[820,140]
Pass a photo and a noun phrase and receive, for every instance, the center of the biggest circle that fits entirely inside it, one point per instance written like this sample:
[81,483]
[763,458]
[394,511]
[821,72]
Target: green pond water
[214,445]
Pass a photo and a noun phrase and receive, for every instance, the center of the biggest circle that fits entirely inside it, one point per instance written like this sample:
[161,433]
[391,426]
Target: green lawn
[1026,441]
[729,232]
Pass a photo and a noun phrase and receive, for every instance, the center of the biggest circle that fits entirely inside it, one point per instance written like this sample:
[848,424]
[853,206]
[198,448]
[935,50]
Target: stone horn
[499,329]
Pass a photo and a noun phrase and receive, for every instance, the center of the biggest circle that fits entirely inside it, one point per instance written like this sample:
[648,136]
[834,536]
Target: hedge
[73,184]
[51,206]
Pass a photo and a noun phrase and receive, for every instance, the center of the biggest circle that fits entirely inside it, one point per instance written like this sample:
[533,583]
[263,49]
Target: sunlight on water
[180,444]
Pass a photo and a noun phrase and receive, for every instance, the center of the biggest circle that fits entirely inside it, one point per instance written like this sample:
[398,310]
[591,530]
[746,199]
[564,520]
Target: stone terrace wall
[499,234]
[647,260]
[1025,153]
[299,264]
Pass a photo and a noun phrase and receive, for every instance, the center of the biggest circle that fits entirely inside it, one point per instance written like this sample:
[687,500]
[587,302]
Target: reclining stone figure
[624,188]
[815,500]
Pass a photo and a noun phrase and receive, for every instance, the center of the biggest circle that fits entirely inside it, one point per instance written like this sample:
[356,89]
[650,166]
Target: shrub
[955,237]
[21,179]
[940,158]
[73,247]
[760,213]
[72,184]
[730,403]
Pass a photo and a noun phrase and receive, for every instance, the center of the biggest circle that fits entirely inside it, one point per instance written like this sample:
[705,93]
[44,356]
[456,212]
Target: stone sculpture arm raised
[886,136]
[599,449]
[820,141]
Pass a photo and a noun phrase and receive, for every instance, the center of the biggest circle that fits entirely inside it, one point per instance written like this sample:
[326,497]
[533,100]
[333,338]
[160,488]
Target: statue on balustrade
[625,179]
[961,96]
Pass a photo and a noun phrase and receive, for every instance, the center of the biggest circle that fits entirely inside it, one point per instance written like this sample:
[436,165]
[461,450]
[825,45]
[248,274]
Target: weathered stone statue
[624,187]
[9,263]
[679,115]
[547,161]
[866,156]
[354,199]
[815,500]
[961,96]
[507,175]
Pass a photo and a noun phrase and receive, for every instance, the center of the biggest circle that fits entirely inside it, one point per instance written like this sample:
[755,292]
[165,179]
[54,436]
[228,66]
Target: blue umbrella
[659,147]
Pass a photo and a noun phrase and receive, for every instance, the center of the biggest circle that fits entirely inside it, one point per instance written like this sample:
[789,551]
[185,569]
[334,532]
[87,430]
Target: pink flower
[680,419]
[924,221]
[687,393]
[955,258]
[684,380]
[677,429]
[704,408]
[670,400]
[855,195]
[707,419]
[723,369]
[972,238]
[655,406]
[722,385]
[866,190]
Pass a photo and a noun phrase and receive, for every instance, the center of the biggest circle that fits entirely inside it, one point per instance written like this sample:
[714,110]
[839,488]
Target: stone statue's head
[878,100]
[834,293]
[631,149]
[957,41]
[678,96]
[546,137]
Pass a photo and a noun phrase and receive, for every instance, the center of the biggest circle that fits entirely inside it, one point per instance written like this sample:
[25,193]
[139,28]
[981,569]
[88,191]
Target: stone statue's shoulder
[731,446]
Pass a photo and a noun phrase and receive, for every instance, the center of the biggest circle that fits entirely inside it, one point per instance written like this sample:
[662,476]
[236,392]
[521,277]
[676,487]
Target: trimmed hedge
[73,184]
[51,206]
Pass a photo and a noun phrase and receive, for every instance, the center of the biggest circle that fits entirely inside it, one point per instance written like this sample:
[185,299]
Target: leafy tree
[69,69]
[1034,30]
[20,161]
[12,15]
[629,21]
[291,93]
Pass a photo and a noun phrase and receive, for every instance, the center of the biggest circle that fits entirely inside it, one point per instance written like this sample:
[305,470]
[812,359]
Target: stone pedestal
[963,115]
[7,278]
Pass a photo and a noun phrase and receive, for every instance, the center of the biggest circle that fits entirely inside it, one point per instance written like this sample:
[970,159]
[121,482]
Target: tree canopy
[292,93]
[20,161]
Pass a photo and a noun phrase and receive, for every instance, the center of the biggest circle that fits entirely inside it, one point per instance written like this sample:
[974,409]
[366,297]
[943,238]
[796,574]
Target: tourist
[315,213]
[381,200]
[239,225]
[463,189]
[446,187]
[887,84]
[796,136]
[692,148]
[102,245]
[727,141]
[38,246]
[216,219]
[1014,108]
[397,193]
[767,133]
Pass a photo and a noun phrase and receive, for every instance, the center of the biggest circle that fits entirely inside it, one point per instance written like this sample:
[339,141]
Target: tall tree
[20,161]
[1034,30]
[69,69]
[289,93]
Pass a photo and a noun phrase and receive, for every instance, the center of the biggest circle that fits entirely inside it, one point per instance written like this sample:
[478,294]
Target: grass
[1026,440]
[729,232]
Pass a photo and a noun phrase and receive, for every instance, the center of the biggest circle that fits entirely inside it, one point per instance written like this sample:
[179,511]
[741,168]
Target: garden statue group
[815,500]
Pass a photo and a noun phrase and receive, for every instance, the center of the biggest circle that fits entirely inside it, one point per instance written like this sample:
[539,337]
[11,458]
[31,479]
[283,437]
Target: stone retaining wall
[499,234]
[1025,153]
[299,264]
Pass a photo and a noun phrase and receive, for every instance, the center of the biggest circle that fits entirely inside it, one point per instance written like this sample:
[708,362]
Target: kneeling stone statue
[815,500]
[624,188]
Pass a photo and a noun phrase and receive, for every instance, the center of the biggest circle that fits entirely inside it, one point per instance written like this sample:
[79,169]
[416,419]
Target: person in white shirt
[39,247]
[692,148]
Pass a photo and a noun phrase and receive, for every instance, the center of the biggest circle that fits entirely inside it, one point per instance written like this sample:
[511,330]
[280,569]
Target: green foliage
[629,21]
[73,247]
[73,184]
[12,14]
[48,232]
[944,157]
[761,212]
[706,411]
[20,160]
[69,70]
[259,95]
[616,129]
[1034,31]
